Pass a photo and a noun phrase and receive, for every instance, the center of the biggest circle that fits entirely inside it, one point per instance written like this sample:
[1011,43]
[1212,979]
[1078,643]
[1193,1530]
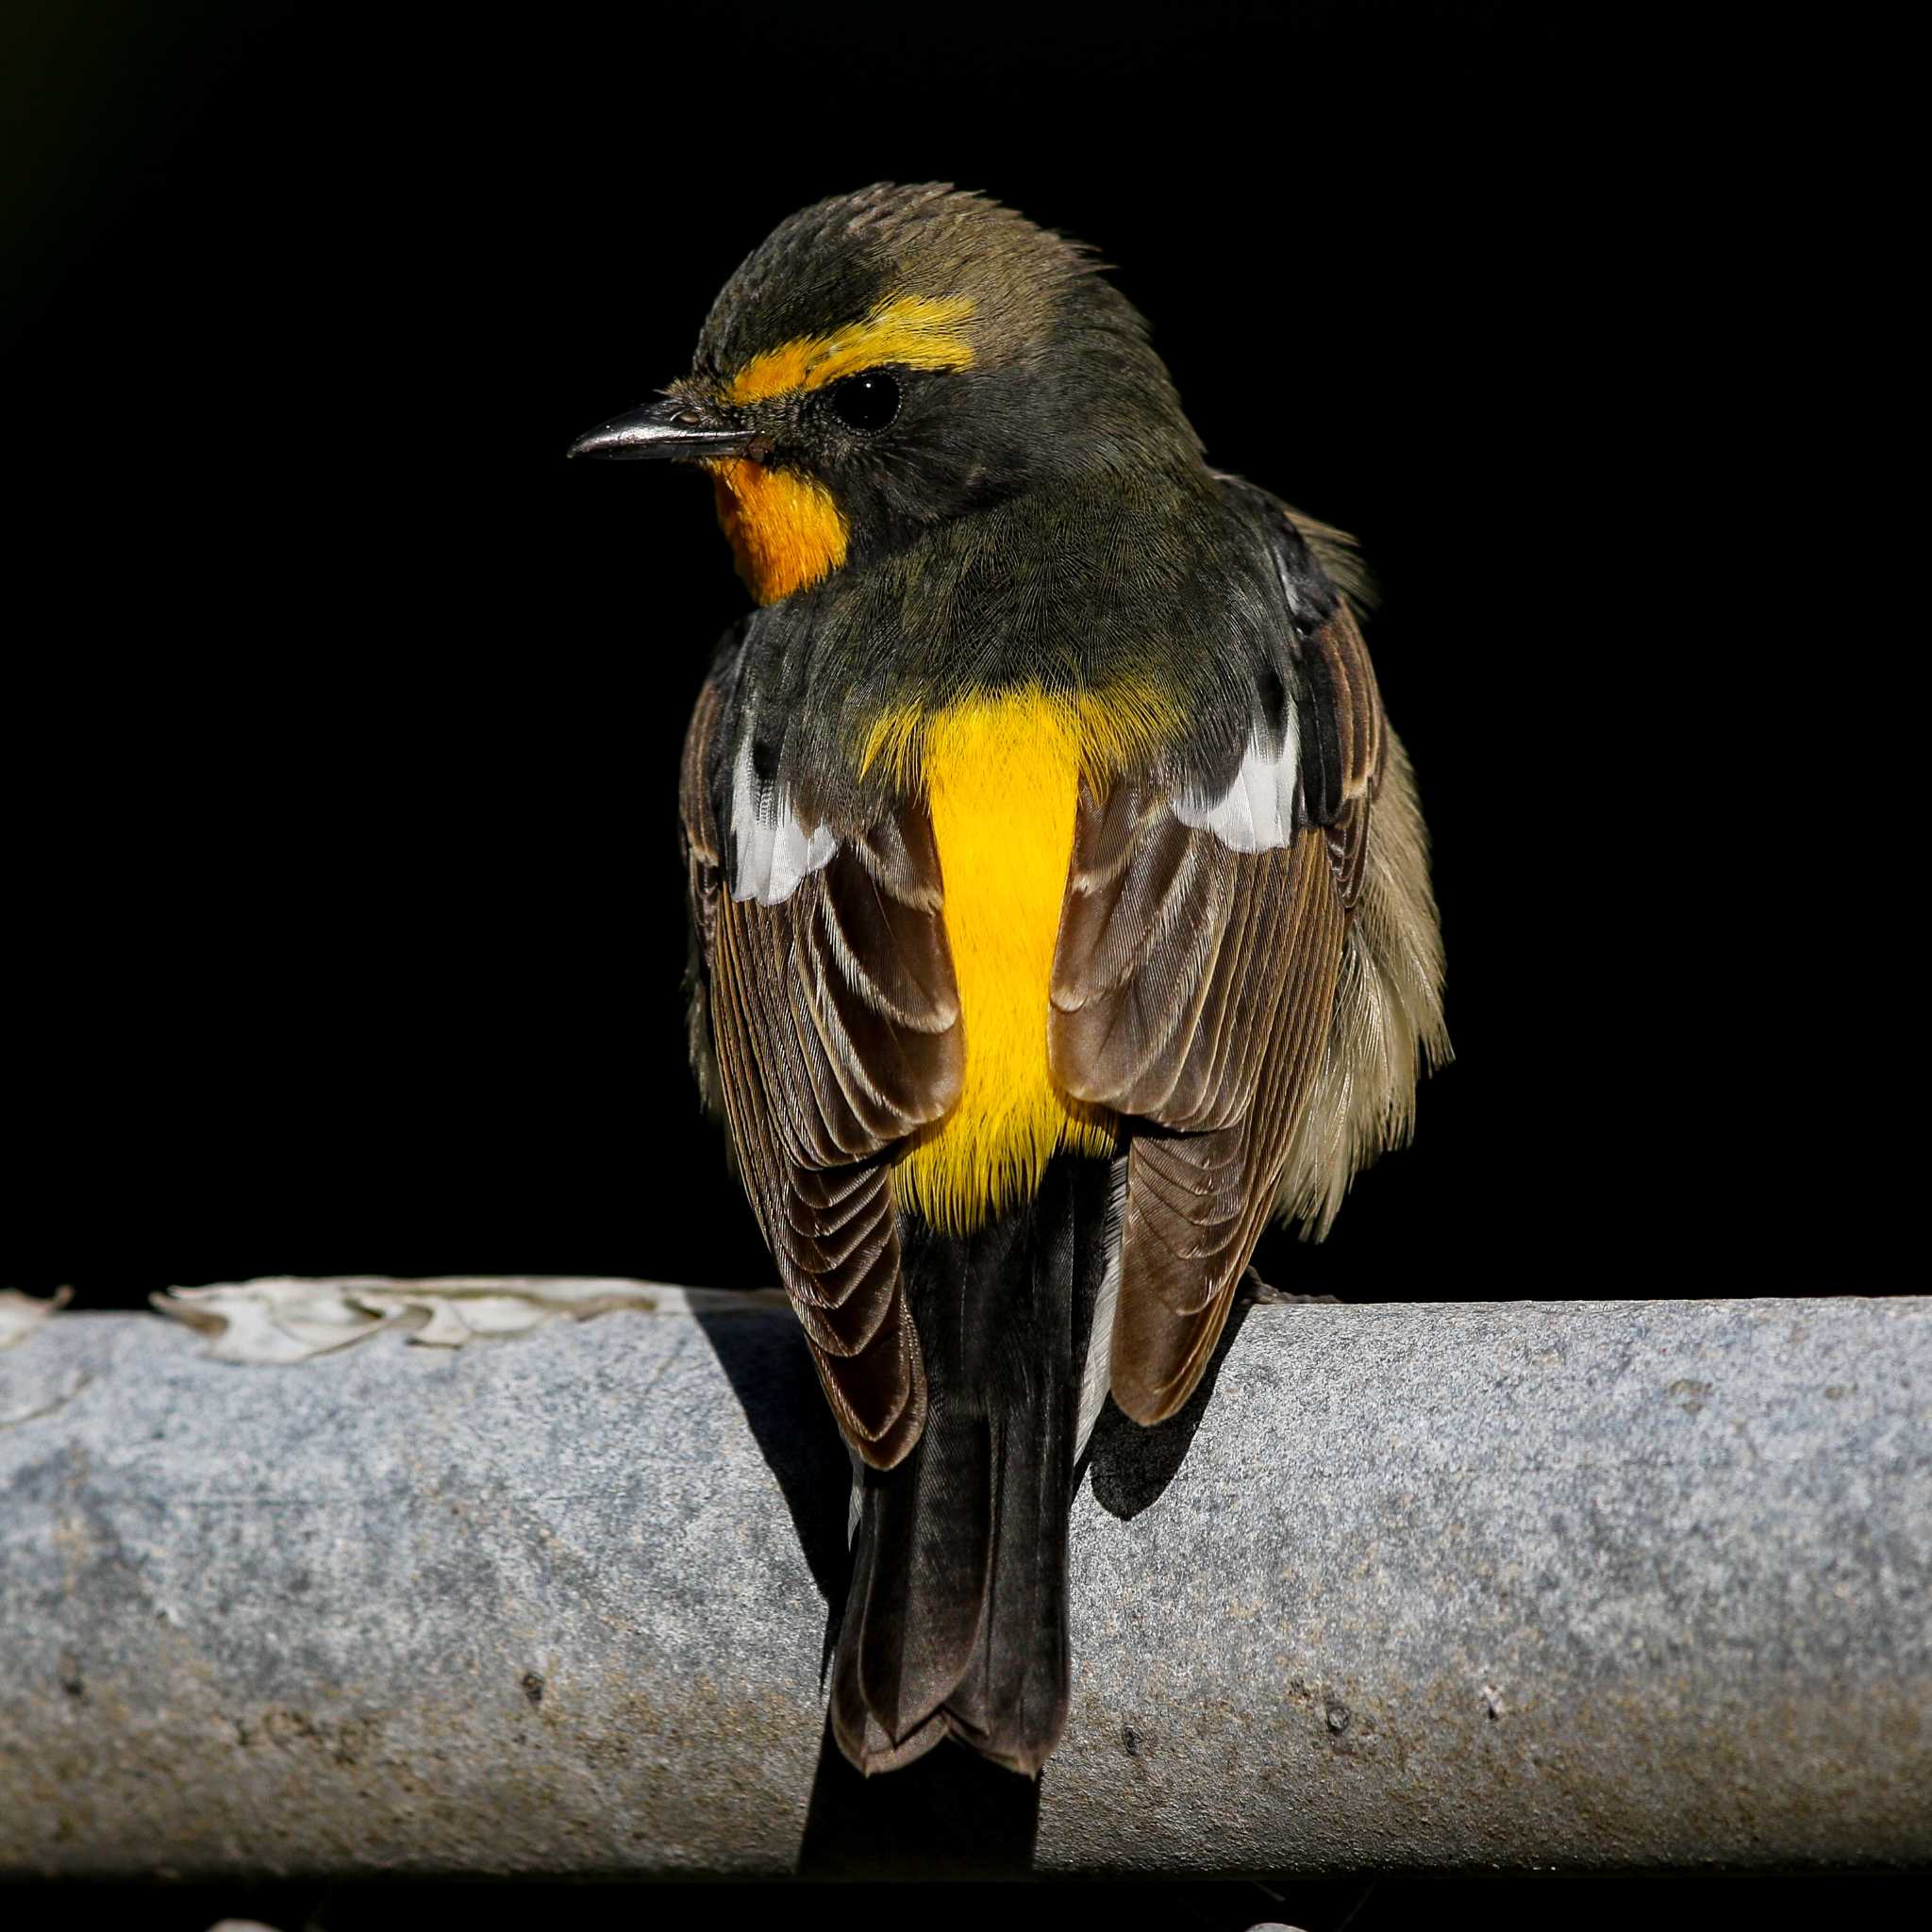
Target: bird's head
[887,360]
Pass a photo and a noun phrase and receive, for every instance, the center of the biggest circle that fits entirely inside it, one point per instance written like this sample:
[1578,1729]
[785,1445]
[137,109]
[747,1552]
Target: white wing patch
[773,850]
[1257,812]
[1096,1376]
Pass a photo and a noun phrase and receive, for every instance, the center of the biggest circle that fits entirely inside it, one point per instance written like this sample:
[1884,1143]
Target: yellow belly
[1002,777]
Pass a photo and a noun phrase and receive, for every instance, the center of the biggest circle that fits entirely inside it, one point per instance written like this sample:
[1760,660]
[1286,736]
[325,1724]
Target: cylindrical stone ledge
[1429,1587]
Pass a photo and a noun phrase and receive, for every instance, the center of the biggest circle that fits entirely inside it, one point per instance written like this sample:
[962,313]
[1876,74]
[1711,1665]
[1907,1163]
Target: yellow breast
[1002,777]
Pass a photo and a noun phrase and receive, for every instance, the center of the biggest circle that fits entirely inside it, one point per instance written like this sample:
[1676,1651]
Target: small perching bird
[1061,902]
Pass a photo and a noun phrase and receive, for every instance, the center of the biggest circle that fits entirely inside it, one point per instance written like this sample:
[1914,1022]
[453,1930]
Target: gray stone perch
[1606,1586]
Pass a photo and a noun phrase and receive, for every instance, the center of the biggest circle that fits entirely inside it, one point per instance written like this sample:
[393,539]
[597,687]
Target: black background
[342,852]
[342,862]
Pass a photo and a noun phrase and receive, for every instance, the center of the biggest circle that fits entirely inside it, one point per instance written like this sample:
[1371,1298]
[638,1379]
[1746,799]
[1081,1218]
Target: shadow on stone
[1131,1465]
[767,1363]
[949,1815]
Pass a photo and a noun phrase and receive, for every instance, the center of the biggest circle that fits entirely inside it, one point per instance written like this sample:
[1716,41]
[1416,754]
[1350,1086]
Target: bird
[1059,903]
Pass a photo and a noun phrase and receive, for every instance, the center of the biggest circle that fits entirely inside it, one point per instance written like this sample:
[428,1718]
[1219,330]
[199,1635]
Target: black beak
[674,427]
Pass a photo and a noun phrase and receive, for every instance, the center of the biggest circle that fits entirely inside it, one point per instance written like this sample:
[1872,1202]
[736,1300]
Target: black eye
[866,403]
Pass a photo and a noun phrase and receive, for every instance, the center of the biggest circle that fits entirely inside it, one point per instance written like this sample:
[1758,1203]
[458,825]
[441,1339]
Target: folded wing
[1195,989]
[834,1021]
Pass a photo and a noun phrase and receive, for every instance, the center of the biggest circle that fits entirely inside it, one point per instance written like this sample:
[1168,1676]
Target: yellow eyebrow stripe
[919,331]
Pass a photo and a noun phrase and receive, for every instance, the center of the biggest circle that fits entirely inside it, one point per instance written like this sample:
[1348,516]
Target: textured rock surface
[1431,1588]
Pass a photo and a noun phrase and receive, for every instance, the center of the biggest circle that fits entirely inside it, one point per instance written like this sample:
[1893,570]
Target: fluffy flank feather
[1341,556]
[1388,1016]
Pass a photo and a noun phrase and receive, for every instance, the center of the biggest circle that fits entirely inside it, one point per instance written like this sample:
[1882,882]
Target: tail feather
[956,1618]
[1012,1704]
[926,1597]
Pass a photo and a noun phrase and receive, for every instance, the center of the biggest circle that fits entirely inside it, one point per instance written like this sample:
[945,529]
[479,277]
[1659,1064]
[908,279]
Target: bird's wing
[834,1018]
[1194,987]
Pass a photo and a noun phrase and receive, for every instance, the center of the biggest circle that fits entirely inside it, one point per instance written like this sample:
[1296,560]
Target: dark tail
[956,1618]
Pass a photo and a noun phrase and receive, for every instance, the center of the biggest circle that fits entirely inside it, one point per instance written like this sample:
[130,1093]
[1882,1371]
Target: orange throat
[785,532]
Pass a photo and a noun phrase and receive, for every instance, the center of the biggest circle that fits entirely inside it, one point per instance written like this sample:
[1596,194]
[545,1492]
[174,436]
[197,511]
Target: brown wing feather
[1194,990]
[834,1020]
[1142,932]
[1200,1188]
[1353,739]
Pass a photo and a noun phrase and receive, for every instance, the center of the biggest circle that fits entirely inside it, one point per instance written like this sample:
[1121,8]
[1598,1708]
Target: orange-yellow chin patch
[785,530]
[1002,775]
